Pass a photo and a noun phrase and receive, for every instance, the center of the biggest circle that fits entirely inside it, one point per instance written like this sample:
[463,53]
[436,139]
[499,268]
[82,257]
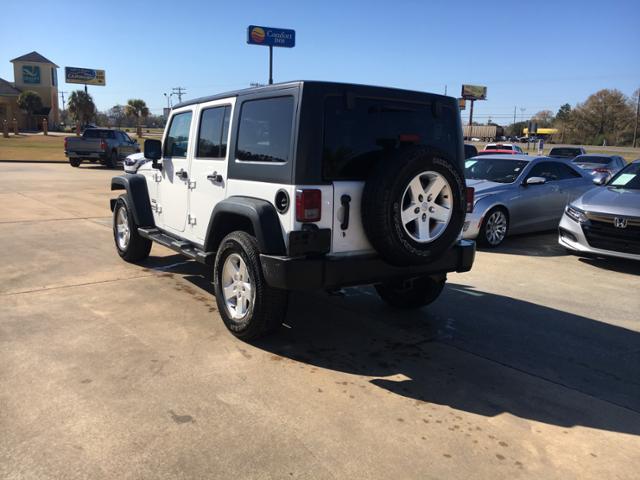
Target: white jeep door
[173,187]
[208,171]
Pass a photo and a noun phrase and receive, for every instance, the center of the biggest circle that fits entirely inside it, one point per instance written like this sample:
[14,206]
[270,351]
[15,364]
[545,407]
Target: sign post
[271,37]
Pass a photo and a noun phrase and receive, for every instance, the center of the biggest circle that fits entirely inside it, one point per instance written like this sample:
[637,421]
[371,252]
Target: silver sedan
[519,194]
[606,220]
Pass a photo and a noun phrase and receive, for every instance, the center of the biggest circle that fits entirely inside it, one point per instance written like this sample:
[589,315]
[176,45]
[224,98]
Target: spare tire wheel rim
[237,288]
[426,207]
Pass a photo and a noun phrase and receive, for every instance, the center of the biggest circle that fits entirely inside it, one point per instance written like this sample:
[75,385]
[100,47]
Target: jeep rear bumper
[326,273]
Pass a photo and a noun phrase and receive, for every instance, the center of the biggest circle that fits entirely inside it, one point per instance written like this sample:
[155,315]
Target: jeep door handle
[181,174]
[215,177]
[344,201]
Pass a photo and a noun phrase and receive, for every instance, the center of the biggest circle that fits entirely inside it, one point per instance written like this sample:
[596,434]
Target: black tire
[412,293]
[267,309]
[112,161]
[137,248]
[382,206]
[75,162]
[485,238]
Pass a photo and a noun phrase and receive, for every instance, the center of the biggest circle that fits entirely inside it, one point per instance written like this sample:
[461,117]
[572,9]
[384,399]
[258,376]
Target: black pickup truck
[103,145]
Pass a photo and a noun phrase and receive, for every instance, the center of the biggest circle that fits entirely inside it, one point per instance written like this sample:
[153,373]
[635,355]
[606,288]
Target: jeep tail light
[103,144]
[308,205]
[471,192]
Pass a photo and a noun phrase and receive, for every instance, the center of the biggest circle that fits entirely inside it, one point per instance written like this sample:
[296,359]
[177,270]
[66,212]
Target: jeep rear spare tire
[413,206]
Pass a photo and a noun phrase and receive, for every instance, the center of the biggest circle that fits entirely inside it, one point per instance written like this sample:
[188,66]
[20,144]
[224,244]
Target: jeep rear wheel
[130,245]
[411,293]
[249,307]
[413,206]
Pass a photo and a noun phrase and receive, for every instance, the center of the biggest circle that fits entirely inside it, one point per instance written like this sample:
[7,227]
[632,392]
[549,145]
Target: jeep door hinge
[157,177]
[155,207]
[192,184]
[191,220]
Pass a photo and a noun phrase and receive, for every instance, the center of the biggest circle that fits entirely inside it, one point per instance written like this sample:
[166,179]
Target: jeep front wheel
[411,293]
[249,307]
[130,245]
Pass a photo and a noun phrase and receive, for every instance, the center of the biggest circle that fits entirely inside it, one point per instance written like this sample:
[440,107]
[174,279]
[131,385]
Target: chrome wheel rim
[496,228]
[237,287]
[123,233]
[426,207]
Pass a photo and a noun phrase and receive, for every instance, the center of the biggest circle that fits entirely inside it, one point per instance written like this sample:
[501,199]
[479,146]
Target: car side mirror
[600,180]
[535,181]
[153,152]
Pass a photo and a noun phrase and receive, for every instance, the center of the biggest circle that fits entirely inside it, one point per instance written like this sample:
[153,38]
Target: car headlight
[575,214]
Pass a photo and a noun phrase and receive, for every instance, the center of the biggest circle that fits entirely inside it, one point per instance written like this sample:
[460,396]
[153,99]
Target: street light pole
[635,130]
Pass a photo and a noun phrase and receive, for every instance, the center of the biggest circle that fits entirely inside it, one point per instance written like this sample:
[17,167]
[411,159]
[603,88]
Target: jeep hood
[615,201]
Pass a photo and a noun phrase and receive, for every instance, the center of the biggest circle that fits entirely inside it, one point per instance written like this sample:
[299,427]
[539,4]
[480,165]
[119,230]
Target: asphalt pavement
[526,367]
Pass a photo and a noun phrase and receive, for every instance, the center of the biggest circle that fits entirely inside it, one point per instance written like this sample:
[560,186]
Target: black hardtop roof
[280,86]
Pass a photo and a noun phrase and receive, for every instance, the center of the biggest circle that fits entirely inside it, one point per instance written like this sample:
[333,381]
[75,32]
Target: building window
[54,76]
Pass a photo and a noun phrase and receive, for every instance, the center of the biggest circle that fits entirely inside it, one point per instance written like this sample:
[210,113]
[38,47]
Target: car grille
[602,233]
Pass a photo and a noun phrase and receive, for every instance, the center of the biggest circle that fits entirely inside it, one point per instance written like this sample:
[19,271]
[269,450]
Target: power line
[179,91]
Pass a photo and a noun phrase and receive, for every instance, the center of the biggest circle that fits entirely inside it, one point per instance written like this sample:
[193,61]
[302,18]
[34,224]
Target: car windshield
[564,152]
[628,177]
[494,169]
[498,147]
[592,159]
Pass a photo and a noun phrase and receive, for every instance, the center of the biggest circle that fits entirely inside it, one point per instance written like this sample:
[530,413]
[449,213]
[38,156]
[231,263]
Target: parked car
[103,145]
[607,165]
[470,151]
[605,220]
[502,148]
[519,194]
[566,152]
[501,152]
[134,161]
[303,186]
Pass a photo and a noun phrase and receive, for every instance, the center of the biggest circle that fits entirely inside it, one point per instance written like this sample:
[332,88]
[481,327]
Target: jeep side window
[214,130]
[177,140]
[264,132]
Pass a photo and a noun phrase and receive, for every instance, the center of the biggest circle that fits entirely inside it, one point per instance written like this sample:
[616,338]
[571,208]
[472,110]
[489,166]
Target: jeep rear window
[355,138]
[264,134]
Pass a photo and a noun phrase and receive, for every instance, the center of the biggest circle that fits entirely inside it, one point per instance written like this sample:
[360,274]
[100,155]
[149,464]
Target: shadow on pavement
[542,244]
[474,351]
[618,265]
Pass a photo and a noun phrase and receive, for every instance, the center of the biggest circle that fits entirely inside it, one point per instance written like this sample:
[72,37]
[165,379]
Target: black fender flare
[260,214]
[136,187]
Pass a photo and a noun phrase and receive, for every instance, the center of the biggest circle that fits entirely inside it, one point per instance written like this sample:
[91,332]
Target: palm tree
[30,102]
[81,106]
[136,108]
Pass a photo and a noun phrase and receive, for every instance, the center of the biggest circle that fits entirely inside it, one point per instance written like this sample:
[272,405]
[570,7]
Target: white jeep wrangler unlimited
[304,185]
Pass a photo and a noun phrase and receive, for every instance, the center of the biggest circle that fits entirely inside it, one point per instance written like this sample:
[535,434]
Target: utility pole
[179,91]
[514,115]
[62,95]
[635,131]
[445,90]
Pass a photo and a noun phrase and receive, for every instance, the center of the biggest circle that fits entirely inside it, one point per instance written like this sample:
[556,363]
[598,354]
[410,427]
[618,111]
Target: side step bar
[183,247]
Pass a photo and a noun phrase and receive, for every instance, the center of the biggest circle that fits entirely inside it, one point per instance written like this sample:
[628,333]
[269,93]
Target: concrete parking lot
[526,367]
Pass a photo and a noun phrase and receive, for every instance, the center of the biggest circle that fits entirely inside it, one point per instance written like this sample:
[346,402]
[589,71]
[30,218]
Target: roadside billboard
[271,37]
[86,76]
[474,92]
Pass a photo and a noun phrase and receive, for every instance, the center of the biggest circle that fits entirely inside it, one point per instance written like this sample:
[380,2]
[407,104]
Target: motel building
[30,72]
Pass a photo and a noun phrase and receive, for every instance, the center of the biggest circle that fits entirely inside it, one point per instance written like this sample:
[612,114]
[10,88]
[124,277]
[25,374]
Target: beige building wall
[46,86]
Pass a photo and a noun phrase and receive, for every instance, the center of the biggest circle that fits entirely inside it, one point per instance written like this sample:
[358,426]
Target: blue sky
[531,55]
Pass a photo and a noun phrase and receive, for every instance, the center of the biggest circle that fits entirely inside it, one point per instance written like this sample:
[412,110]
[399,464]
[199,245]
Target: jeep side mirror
[153,152]
[535,181]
